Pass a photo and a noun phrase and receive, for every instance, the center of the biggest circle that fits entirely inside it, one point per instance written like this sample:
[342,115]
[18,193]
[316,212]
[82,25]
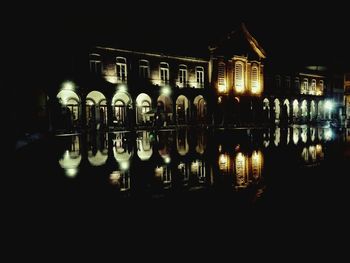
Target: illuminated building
[347,98]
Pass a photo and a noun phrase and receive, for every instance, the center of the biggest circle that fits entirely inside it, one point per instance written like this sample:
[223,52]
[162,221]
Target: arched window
[222,77]
[313,87]
[305,86]
[239,76]
[319,91]
[254,77]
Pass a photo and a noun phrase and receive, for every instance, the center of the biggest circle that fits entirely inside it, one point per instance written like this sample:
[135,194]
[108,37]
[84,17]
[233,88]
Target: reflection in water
[71,157]
[144,146]
[312,154]
[184,158]
[97,149]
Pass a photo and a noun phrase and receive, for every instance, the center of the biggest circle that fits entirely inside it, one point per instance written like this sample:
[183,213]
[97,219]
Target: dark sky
[314,34]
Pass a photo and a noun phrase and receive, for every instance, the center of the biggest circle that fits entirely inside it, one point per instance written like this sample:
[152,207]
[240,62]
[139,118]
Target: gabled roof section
[238,42]
[252,41]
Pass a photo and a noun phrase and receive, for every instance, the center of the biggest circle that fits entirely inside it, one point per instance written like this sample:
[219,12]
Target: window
[239,76]
[287,82]
[221,77]
[304,88]
[95,63]
[200,76]
[144,69]
[313,87]
[164,72]
[255,79]
[278,82]
[121,69]
[183,75]
[296,84]
[320,91]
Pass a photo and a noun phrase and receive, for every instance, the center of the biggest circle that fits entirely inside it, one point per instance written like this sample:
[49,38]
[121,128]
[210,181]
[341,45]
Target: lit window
[121,69]
[144,69]
[255,79]
[239,76]
[200,76]
[183,75]
[164,72]
[221,77]
[95,63]
[304,87]
[313,87]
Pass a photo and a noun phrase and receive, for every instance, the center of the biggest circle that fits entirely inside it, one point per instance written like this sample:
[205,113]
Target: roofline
[311,75]
[191,59]
[253,42]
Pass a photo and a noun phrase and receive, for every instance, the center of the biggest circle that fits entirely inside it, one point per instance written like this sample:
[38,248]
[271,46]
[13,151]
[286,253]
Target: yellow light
[222,88]
[239,89]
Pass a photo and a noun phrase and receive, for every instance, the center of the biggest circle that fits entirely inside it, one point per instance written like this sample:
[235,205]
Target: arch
[71,102]
[313,112]
[266,109]
[182,109]
[277,109]
[98,159]
[320,112]
[144,115]
[295,109]
[287,105]
[121,102]
[96,108]
[165,109]
[201,108]
[304,109]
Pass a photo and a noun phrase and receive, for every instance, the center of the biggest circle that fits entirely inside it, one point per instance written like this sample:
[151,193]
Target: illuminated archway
[286,104]
[277,109]
[266,109]
[96,108]
[71,158]
[121,103]
[295,109]
[182,109]
[320,114]
[304,109]
[313,110]
[165,108]
[70,102]
[144,114]
[144,146]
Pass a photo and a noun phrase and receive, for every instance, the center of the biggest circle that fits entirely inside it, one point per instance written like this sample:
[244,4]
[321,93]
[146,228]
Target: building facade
[124,89]
[347,98]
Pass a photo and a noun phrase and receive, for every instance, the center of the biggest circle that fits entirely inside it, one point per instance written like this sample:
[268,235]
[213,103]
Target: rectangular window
[121,69]
[144,69]
[95,66]
[183,75]
[200,76]
[164,72]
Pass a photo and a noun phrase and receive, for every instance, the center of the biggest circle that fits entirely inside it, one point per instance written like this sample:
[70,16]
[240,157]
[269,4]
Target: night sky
[289,32]
[319,37]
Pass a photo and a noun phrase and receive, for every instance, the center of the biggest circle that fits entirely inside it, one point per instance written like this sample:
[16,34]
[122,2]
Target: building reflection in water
[236,158]
[71,158]
[97,149]
[144,145]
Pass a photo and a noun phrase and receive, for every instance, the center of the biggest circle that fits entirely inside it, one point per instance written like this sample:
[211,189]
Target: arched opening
[266,109]
[121,103]
[70,103]
[304,110]
[200,108]
[182,110]
[312,110]
[277,109]
[96,109]
[144,113]
[295,110]
[320,114]
[164,113]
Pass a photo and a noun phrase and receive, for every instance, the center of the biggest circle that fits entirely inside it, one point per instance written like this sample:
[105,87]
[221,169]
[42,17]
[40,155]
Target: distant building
[347,97]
